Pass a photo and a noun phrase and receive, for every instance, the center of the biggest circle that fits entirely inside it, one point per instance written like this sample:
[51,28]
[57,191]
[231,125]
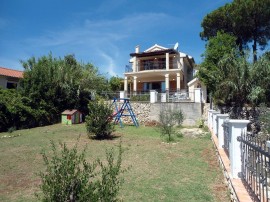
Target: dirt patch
[192,132]
[151,123]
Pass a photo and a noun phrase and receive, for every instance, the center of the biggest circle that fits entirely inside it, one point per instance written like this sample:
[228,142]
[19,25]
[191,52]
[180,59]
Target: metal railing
[151,65]
[128,68]
[108,95]
[174,96]
[139,96]
[255,157]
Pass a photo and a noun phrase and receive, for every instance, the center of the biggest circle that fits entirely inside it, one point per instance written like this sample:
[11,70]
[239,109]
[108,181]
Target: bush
[69,177]
[17,111]
[167,119]
[98,121]
[140,97]
[178,117]
[264,119]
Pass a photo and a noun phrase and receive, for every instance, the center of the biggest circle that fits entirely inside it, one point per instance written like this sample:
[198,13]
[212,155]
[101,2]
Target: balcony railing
[151,65]
[128,68]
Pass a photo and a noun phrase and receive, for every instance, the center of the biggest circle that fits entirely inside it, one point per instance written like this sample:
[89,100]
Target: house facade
[158,68]
[9,78]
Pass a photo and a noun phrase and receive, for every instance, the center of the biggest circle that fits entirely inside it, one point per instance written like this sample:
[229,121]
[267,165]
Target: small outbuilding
[70,117]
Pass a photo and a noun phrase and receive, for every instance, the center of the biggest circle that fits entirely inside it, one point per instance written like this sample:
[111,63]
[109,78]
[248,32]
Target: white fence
[227,130]
[249,156]
[154,96]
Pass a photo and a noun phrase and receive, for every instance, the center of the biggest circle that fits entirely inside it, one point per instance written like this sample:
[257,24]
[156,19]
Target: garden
[185,169]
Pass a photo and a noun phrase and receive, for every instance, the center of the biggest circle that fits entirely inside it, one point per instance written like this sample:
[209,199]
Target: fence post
[214,122]
[153,96]
[237,127]
[220,132]
[123,94]
[197,95]
[209,120]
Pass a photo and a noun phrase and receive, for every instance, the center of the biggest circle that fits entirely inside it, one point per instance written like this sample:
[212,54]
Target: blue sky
[100,32]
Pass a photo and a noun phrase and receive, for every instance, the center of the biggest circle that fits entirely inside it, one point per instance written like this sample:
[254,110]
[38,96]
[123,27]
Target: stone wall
[147,113]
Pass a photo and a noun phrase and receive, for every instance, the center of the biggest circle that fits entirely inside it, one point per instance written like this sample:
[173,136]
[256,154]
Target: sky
[101,32]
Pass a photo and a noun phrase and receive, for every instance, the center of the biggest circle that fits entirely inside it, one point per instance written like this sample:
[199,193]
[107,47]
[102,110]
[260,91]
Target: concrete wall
[148,112]
[3,81]
[192,111]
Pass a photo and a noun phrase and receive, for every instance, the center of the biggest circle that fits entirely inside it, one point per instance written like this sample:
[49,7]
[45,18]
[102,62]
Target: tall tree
[247,20]
[209,72]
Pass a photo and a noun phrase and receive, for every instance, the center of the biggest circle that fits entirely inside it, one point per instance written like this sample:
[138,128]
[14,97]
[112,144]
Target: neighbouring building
[158,68]
[10,78]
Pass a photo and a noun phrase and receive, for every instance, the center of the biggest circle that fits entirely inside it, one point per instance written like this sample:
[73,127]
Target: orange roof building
[9,78]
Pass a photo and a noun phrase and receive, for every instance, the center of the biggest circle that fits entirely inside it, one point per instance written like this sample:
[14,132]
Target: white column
[214,121]
[197,95]
[126,84]
[220,132]
[153,96]
[167,61]
[167,82]
[134,84]
[134,66]
[178,81]
[237,127]
[122,95]
[209,121]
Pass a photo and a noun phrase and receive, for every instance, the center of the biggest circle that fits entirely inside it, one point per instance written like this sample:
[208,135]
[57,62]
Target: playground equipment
[119,112]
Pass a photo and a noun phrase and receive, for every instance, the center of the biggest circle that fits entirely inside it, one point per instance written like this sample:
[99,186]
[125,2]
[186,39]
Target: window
[11,85]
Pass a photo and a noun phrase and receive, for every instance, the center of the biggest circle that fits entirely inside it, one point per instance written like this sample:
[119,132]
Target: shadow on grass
[109,137]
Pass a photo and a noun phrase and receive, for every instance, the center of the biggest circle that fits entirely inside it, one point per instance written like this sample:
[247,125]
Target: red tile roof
[11,72]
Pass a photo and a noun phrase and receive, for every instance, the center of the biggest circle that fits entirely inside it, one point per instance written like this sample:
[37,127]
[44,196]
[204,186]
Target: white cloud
[101,38]
[109,64]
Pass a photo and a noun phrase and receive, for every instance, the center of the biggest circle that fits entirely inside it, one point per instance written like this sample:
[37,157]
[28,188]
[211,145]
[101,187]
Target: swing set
[119,112]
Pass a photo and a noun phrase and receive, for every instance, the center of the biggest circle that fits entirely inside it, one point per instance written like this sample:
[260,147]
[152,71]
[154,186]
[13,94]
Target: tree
[209,72]
[247,20]
[16,111]
[235,86]
[56,84]
[116,83]
[98,121]
[167,119]
[260,74]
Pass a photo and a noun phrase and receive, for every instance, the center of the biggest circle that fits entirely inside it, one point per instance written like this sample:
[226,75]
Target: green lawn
[182,171]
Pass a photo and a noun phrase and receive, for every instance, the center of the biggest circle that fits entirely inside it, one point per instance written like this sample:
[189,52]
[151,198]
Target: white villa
[158,68]
[165,70]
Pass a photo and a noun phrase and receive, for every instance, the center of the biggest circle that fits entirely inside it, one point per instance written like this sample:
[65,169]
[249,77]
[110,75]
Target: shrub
[178,117]
[264,119]
[98,122]
[167,119]
[140,98]
[69,177]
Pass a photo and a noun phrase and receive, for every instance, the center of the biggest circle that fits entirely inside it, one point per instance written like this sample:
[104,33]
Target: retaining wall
[148,112]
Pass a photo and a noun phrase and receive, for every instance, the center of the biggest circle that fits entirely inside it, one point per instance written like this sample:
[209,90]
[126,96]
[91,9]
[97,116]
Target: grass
[183,171]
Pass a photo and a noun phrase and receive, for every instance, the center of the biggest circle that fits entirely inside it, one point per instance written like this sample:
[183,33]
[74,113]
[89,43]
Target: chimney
[137,49]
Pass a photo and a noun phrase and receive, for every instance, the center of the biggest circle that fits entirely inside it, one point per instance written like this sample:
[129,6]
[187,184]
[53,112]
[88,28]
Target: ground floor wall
[148,113]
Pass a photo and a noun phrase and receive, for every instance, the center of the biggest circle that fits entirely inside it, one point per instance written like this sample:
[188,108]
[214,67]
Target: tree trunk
[254,46]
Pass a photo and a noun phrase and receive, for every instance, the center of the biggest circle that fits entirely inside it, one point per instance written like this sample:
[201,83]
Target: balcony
[151,65]
[128,68]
